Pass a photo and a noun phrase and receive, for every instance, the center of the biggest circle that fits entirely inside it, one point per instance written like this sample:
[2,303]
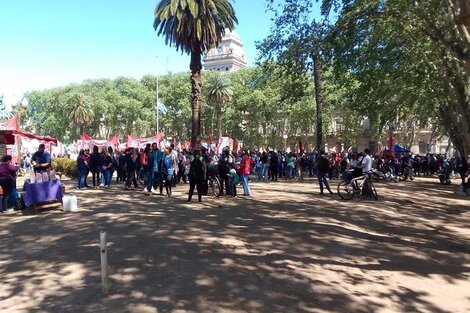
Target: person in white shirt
[366,163]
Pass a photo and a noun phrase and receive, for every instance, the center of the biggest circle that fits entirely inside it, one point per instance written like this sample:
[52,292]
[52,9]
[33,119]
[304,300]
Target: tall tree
[194,26]
[296,41]
[218,92]
[81,112]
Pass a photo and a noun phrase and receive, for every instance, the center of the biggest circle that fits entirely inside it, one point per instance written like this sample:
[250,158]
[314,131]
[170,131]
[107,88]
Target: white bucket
[70,203]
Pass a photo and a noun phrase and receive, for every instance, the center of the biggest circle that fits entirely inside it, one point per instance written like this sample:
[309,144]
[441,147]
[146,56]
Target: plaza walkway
[286,249]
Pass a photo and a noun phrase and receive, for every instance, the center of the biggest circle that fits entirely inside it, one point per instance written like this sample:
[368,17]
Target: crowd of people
[152,170]
[158,170]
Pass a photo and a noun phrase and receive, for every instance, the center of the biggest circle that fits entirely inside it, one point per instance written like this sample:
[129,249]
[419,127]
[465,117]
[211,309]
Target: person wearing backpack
[197,175]
[323,167]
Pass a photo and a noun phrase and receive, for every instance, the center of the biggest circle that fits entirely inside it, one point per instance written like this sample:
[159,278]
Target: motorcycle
[407,174]
[445,173]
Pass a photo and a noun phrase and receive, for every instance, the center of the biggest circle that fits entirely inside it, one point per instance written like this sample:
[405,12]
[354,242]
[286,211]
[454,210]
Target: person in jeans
[169,169]
[244,170]
[82,166]
[153,173]
[323,165]
[106,163]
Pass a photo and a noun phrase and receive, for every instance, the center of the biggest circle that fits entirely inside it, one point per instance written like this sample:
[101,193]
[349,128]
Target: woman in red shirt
[245,166]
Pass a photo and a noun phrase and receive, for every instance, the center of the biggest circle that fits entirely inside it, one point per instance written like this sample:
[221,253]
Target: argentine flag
[161,107]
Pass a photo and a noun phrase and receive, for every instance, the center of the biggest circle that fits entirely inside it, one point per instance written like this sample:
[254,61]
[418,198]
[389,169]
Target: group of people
[156,169]
[40,162]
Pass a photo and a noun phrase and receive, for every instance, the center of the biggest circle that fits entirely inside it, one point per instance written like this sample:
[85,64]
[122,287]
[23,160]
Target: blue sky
[48,43]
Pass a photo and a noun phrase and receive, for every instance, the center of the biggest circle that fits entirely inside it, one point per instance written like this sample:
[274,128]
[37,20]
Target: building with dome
[228,56]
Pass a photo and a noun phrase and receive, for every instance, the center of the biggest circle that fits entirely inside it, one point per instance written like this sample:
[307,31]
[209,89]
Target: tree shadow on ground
[281,251]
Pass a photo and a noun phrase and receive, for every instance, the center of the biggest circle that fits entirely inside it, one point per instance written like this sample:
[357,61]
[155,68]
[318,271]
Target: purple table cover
[42,192]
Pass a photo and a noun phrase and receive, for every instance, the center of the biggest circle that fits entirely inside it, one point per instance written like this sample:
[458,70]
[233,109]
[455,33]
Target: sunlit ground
[286,249]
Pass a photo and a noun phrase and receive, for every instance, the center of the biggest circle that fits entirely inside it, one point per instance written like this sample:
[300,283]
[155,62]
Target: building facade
[228,56]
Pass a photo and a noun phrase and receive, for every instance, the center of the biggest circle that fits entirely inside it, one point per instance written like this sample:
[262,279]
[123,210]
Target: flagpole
[158,111]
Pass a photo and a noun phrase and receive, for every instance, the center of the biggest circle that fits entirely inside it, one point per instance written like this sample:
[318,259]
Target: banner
[136,142]
[88,142]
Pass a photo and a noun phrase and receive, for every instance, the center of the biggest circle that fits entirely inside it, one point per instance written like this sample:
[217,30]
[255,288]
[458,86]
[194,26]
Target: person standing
[366,163]
[131,159]
[106,163]
[245,166]
[7,180]
[153,174]
[197,175]
[323,166]
[169,168]
[94,166]
[82,166]
[224,161]
[274,164]
[41,160]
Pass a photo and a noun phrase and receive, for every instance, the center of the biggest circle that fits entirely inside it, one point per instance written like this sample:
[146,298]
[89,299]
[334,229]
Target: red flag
[85,136]
[391,143]
[11,124]
[114,140]
[209,137]
[300,148]
[235,145]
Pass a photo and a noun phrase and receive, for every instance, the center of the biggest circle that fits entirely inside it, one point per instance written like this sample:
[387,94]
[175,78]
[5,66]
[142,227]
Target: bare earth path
[286,249]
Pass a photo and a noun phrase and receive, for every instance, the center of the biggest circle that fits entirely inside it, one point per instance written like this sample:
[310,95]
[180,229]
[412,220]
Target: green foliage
[66,167]
[4,113]
[194,26]
[403,64]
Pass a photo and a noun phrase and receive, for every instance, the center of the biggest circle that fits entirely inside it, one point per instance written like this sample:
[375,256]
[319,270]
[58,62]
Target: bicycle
[213,183]
[359,186]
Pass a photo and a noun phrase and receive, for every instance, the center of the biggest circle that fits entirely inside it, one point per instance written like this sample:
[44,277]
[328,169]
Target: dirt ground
[286,249]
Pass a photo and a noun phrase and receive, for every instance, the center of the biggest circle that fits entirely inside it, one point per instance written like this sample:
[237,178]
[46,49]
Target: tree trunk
[81,129]
[218,120]
[317,74]
[196,91]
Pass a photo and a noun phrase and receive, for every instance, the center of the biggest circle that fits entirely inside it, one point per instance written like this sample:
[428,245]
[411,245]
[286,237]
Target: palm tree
[81,112]
[194,26]
[218,93]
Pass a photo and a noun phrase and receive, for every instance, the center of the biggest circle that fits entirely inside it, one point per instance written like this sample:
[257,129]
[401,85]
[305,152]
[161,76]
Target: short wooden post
[104,262]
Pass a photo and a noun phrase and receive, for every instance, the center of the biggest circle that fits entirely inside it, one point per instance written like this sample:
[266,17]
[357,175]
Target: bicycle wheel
[373,192]
[345,190]
[214,184]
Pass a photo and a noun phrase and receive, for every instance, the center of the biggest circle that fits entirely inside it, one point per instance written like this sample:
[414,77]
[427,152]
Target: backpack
[144,159]
[197,169]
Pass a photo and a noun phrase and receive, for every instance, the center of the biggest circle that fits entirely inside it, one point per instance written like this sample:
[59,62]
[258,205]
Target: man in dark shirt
[41,159]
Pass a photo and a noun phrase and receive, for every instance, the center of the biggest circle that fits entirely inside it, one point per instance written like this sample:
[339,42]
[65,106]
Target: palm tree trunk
[218,116]
[317,74]
[81,129]
[196,90]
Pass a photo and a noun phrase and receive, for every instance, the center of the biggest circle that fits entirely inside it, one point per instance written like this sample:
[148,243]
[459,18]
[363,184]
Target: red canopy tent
[7,137]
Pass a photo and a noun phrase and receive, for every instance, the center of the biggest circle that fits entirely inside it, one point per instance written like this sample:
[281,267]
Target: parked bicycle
[213,181]
[357,187]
